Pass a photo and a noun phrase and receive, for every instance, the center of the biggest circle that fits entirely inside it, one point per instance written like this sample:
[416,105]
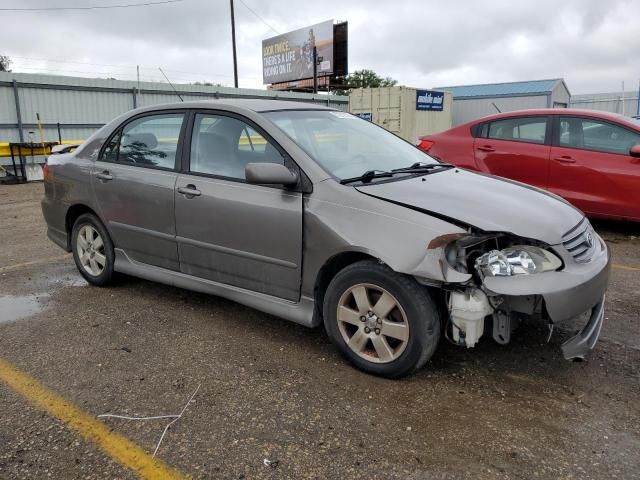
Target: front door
[591,167]
[134,181]
[229,231]
[516,148]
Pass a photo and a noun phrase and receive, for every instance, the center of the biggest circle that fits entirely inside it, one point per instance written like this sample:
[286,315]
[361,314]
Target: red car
[592,159]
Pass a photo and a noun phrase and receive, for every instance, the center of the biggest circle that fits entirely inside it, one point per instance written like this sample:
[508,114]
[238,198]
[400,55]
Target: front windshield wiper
[421,167]
[367,176]
[417,167]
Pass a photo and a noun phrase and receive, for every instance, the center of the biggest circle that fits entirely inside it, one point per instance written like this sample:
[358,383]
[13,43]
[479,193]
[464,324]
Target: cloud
[592,44]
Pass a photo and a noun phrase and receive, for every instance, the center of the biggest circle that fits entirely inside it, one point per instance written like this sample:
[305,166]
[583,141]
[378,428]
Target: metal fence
[72,108]
[624,103]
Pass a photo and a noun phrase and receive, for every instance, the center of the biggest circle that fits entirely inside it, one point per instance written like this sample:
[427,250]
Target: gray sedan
[320,217]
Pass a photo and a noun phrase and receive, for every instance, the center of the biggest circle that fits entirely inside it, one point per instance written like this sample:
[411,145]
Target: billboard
[429,100]
[289,56]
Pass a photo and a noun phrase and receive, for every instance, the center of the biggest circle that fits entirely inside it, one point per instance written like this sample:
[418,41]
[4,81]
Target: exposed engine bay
[474,310]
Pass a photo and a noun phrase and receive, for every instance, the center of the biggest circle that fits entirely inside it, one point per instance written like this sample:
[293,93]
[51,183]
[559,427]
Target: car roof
[615,117]
[253,104]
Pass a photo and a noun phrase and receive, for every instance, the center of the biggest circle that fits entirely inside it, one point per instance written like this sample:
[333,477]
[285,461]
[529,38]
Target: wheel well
[328,271]
[72,214]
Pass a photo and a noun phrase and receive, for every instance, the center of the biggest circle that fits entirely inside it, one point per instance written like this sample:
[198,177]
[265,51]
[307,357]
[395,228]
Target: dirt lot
[273,390]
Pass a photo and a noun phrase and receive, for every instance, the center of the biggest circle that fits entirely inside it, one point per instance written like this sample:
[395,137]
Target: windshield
[345,145]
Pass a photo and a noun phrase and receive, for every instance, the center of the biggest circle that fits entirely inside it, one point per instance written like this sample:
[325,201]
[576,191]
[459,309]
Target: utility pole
[315,70]
[137,86]
[233,41]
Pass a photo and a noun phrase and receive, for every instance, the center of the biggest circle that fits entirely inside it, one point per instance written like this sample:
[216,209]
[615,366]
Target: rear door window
[151,141]
[521,129]
[110,152]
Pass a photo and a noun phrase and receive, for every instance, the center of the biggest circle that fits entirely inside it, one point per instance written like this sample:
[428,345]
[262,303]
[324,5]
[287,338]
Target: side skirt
[301,312]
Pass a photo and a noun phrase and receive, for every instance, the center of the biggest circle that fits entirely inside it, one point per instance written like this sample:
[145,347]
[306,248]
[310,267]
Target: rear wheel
[384,322]
[92,250]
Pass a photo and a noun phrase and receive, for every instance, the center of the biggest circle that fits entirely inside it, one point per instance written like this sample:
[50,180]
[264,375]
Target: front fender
[404,239]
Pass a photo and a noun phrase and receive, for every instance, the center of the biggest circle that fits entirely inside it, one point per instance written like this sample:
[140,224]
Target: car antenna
[174,88]
[495,106]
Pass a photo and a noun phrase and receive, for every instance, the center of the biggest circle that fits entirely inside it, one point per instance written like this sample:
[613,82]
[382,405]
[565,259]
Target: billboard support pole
[315,70]
[233,42]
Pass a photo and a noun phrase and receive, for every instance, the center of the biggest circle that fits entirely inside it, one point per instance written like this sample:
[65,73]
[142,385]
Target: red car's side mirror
[635,151]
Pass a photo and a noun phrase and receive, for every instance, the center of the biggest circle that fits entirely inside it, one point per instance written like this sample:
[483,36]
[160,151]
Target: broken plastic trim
[578,346]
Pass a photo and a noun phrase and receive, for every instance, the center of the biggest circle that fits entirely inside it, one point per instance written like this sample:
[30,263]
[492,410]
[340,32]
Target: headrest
[149,140]
[209,142]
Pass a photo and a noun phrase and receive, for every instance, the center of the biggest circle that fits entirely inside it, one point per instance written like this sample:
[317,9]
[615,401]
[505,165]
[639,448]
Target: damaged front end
[512,279]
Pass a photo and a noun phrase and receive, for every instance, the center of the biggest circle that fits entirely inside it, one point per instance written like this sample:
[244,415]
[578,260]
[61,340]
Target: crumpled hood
[487,203]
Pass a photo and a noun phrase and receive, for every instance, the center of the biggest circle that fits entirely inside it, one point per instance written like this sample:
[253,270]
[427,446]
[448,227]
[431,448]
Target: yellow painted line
[625,267]
[115,445]
[34,262]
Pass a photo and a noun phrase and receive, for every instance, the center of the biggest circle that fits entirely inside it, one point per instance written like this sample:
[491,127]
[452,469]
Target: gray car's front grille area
[580,241]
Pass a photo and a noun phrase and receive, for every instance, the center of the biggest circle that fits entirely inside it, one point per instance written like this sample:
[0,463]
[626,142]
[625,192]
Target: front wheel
[383,322]
[92,250]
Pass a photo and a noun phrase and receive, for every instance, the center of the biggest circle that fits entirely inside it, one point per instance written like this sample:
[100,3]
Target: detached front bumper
[570,292]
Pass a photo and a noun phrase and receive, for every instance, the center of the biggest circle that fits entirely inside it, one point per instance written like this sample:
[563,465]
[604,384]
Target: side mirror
[269,174]
[635,151]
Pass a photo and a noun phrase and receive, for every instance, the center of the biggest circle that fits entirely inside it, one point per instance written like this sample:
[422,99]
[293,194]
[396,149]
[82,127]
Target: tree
[5,63]
[208,84]
[365,79]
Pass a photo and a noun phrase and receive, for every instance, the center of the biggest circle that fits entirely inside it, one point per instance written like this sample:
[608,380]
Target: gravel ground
[273,390]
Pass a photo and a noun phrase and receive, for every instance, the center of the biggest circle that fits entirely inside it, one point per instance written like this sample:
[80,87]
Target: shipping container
[407,112]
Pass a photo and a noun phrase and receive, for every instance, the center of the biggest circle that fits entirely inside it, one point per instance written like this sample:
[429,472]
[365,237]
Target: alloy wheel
[90,249]
[373,323]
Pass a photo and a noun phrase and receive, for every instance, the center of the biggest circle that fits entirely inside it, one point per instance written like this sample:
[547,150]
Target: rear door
[591,166]
[229,231]
[516,148]
[134,180]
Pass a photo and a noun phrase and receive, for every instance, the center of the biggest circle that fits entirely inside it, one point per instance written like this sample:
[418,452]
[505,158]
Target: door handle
[565,159]
[486,148]
[104,176]
[189,191]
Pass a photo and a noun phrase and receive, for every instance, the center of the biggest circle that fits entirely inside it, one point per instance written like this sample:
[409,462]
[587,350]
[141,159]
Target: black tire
[420,311]
[107,274]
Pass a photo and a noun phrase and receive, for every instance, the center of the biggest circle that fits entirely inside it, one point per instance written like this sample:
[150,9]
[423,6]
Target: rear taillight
[45,170]
[425,145]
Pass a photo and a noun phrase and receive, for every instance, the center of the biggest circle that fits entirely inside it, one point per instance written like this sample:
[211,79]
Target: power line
[259,17]
[94,7]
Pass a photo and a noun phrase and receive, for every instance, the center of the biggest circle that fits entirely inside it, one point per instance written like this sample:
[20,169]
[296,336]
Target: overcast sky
[593,44]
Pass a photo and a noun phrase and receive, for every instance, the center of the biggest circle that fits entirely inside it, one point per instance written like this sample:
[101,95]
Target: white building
[474,101]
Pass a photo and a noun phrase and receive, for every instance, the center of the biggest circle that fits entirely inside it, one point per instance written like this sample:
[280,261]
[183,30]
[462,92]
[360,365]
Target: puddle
[57,277]
[15,307]
[70,280]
